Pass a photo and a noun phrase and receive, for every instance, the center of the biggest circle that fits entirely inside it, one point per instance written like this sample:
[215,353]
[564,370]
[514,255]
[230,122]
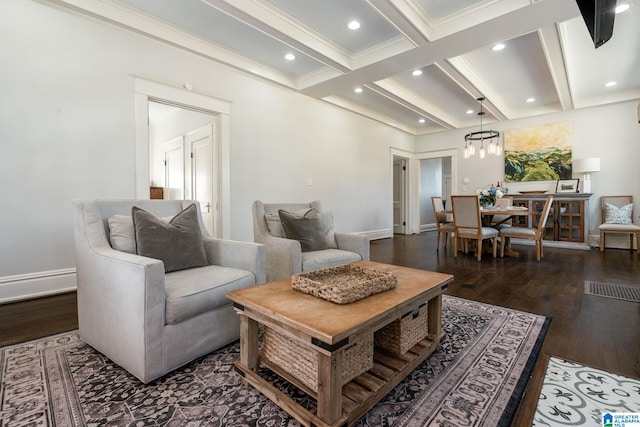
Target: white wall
[67,131]
[611,133]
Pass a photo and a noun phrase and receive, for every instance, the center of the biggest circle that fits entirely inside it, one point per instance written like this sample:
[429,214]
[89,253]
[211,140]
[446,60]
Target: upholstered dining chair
[468,224]
[617,218]
[536,234]
[442,225]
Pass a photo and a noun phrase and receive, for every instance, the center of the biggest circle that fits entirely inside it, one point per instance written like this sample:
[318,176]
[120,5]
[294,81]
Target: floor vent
[612,290]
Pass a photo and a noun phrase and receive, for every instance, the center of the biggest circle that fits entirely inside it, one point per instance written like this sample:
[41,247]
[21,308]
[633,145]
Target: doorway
[184,157]
[147,90]
[437,173]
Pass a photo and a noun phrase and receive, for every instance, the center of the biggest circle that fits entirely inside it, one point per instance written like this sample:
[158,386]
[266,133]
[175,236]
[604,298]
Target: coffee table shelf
[328,328]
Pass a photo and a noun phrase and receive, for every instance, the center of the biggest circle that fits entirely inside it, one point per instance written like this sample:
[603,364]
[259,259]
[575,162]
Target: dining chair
[617,217]
[501,221]
[468,224]
[443,226]
[531,233]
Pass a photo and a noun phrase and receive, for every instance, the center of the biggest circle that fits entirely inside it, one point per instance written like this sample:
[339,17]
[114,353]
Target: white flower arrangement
[488,196]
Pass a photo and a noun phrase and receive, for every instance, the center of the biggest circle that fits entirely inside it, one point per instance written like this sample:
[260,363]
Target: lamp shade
[586,165]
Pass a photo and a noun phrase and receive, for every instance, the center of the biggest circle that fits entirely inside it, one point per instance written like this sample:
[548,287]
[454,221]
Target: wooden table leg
[249,343]
[329,397]
[434,317]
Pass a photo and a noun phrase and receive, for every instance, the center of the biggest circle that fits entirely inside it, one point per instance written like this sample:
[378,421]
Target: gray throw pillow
[306,229]
[177,243]
[326,221]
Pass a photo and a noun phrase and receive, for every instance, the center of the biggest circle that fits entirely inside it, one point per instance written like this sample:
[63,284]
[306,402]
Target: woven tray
[343,284]
[301,361]
[401,335]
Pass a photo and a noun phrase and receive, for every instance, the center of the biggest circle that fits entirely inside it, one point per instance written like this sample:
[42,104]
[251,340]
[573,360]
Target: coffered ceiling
[548,56]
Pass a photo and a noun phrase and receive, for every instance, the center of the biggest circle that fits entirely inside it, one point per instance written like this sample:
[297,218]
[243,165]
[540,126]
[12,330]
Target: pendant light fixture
[489,139]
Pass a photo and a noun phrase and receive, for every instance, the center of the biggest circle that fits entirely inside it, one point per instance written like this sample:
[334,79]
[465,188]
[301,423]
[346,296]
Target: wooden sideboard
[568,222]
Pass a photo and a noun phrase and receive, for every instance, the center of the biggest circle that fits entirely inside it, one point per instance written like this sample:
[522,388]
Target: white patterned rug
[477,378]
[577,395]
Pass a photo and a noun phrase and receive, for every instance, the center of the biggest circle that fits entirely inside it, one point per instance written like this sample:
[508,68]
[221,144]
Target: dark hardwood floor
[592,330]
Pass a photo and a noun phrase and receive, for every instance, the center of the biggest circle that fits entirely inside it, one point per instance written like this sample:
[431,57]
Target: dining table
[506,214]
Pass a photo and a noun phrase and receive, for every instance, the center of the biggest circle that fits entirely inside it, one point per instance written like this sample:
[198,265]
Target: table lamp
[586,166]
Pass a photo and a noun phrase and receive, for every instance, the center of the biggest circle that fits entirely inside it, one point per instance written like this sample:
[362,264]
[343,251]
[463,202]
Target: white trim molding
[36,285]
[383,233]
[146,90]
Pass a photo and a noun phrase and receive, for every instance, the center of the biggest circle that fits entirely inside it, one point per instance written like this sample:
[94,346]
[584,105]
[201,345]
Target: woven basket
[343,284]
[401,335]
[301,361]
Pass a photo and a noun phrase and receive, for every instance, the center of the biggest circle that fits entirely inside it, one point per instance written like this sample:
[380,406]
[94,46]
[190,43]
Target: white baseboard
[35,285]
[377,234]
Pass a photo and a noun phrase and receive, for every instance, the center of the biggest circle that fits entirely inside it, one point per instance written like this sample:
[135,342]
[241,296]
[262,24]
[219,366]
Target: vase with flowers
[488,196]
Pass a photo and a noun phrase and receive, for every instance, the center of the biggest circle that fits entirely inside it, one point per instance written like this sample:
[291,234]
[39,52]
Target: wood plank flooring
[593,330]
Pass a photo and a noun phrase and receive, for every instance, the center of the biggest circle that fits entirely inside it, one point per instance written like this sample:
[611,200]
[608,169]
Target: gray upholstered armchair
[285,257]
[145,320]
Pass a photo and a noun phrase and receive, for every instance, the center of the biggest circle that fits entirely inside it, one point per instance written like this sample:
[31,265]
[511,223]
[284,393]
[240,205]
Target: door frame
[404,162]
[145,91]
[412,187]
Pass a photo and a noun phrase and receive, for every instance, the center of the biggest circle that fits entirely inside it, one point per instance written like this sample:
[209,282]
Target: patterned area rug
[477,378]
[576,395]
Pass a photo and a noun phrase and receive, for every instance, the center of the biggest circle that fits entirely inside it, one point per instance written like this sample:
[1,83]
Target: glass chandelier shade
[489,139]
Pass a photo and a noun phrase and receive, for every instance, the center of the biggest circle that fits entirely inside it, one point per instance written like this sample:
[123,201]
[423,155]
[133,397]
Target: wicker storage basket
[343,284]
[400,335]
[301,361]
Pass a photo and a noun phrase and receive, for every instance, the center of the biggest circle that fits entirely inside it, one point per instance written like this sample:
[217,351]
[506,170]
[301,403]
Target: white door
[399,188]
[174,169]
[201,146]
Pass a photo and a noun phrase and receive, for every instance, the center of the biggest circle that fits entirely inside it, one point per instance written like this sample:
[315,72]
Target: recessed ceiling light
[469,111]
[498,47]
[422,120]
[289,57]
[610,84]
[530,100]
[358,90]
[353,25]
[417,72]
[623,7]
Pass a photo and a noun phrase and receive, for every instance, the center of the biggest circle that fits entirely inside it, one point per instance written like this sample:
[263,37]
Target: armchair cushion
[618,215]
[195,291]
[121,234]
[177,243]
[306,229]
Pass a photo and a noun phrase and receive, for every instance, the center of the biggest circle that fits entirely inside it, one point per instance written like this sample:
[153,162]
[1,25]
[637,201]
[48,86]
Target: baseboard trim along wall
[377,234]
[36,285]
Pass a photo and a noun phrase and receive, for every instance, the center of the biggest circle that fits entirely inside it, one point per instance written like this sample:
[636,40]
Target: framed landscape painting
[540,153]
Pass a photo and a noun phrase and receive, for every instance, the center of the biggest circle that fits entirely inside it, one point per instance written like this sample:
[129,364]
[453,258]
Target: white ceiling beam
[132,20]
[413,102]
[366,112]
[524,20]
[550,41]
[273,23]
[410,27]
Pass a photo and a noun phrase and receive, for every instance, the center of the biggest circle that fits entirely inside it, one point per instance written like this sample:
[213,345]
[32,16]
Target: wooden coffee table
[328,328]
